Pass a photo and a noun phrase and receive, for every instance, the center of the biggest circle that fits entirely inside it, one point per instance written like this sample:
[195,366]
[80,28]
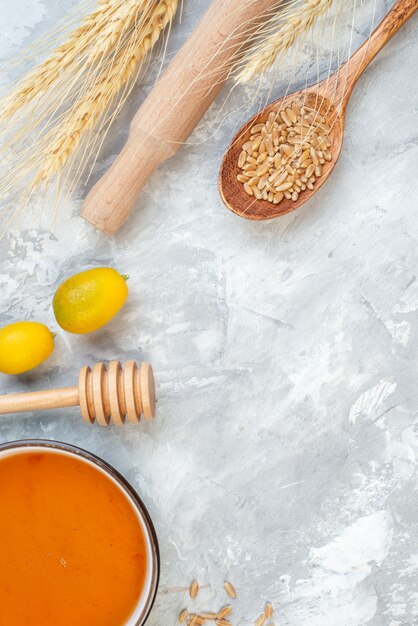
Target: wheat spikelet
[40,79]
[263,55]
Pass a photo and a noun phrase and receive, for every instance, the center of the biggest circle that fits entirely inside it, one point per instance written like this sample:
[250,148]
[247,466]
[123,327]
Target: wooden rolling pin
[104,393]
[173,108]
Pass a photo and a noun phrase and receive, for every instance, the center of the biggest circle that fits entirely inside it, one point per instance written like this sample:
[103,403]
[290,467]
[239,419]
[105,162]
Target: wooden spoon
[330,98]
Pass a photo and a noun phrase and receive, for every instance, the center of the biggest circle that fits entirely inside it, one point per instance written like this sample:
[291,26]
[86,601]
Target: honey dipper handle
[173,108]
[341,84]
[39,400]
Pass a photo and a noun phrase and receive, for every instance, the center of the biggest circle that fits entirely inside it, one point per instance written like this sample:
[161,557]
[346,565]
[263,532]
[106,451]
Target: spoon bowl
[232,190]
[329,98]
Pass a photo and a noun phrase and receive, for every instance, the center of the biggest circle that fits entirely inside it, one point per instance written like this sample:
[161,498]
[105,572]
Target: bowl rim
[125,486]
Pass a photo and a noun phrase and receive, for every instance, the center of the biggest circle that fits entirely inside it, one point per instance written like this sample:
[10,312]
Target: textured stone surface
[285,449]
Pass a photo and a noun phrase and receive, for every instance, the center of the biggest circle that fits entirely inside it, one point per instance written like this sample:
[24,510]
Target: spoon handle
[339,86]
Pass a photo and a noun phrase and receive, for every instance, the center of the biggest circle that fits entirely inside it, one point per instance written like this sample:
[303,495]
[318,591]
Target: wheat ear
[59,117]
[85,115]
[105,26]
[262,56]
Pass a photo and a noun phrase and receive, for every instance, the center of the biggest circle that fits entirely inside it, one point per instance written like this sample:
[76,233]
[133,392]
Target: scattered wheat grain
[230,590]
[226,610]
[194,589]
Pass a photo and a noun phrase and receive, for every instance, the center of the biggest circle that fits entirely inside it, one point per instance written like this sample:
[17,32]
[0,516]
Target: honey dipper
[108,392]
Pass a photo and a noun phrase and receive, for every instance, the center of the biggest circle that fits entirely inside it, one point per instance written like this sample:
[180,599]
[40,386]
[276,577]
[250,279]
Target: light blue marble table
[284,453]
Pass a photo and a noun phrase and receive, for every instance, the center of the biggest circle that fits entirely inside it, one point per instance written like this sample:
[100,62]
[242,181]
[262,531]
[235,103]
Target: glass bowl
[148,594]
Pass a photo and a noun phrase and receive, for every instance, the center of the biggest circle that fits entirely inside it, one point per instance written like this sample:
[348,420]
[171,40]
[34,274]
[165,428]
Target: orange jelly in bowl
[76,548]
